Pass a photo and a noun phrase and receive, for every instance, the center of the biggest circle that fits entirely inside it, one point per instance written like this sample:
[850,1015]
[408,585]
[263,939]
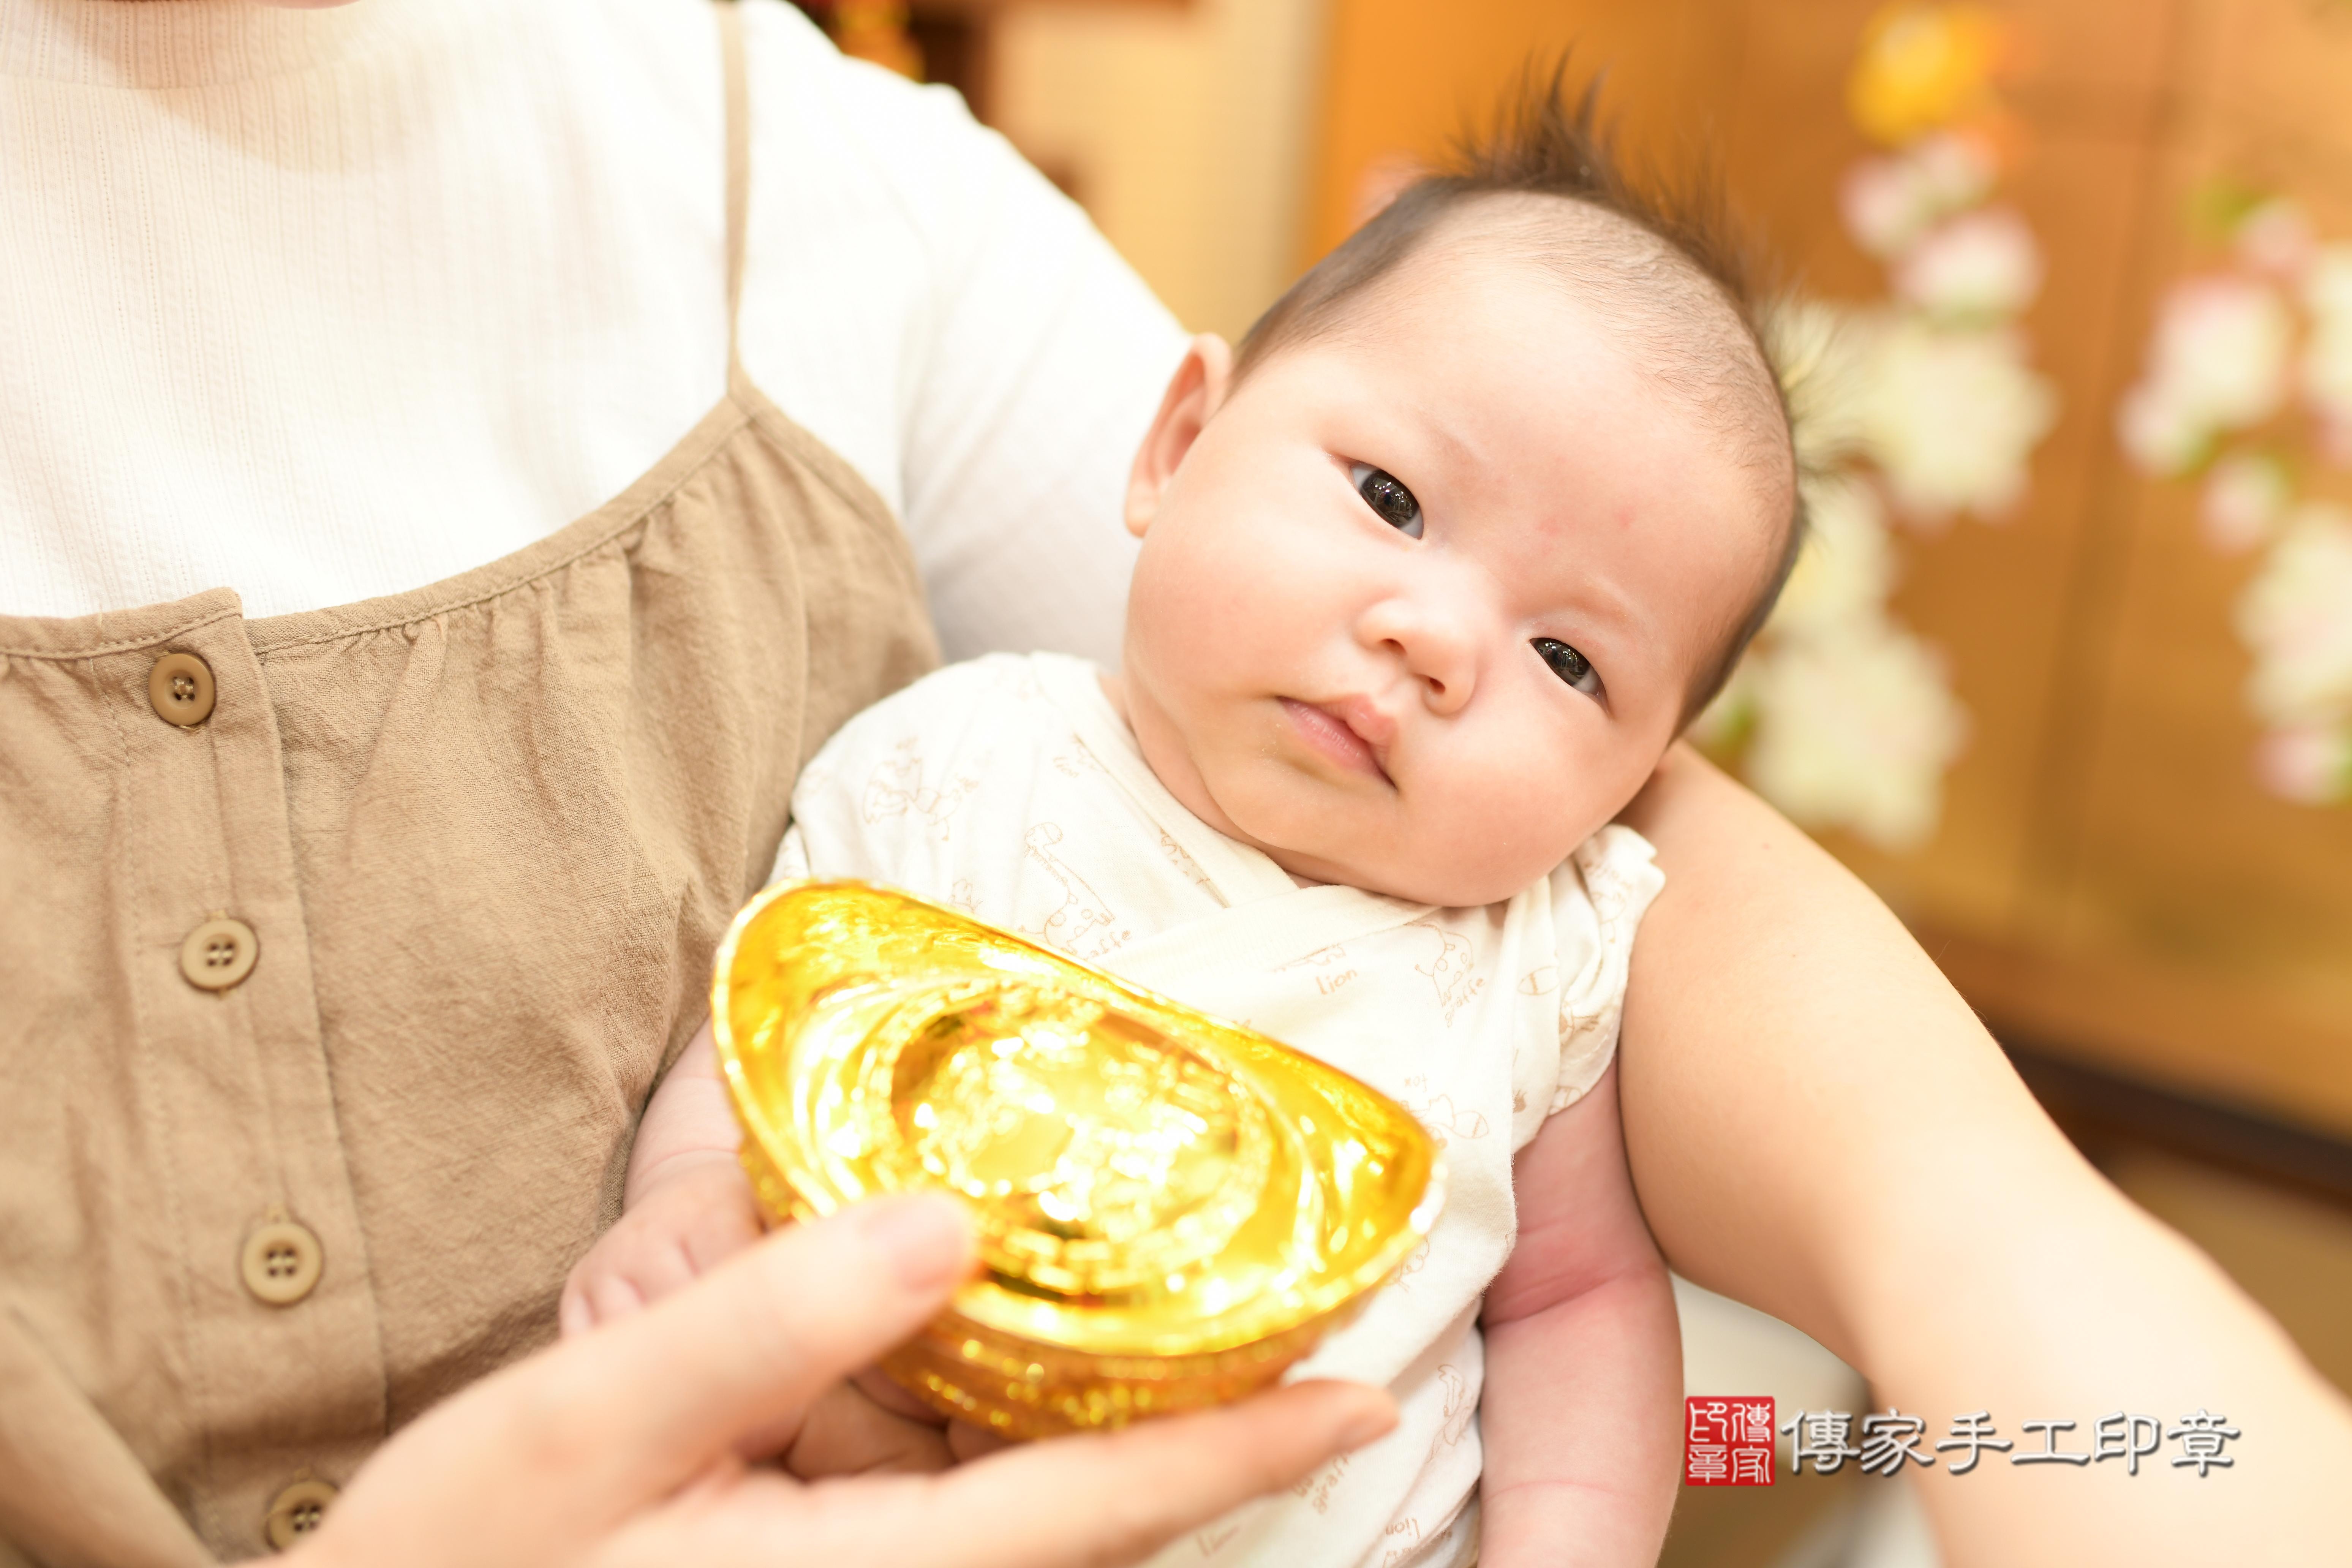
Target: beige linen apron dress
[340,951]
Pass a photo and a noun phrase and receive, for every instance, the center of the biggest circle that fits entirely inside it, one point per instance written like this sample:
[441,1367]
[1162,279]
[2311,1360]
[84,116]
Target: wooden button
[281,1261]
[296,1512]
[219,953]
[180,688]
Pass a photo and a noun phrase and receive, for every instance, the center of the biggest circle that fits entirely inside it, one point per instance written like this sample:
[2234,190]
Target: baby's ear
[1194,392]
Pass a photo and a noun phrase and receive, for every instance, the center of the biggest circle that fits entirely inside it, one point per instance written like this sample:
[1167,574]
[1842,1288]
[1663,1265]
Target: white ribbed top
[321,305]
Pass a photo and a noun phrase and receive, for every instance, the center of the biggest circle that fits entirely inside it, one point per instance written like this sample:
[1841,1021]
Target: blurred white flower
[1850,720]
[1980,266]
[2328,284]
[1847,568]
[2163,434]
[2327,359]
[1854,730]
[2223,342]
[2296,617]
[2244,497]
[1820,349]
[2219,363]
[1887,202]
[2275,237]
[2311,764]
[1953,416]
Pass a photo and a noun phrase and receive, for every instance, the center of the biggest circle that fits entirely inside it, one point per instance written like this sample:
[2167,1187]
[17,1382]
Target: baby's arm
[686,1204]
[1580,1414]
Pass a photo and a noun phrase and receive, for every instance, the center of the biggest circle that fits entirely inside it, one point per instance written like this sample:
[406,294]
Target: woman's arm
[1022,357]
[1819,1126]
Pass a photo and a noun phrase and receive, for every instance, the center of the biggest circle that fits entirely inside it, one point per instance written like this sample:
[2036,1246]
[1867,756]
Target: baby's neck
[1114,690]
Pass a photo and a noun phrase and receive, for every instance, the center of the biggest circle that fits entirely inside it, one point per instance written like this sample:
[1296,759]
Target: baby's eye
[1389,500]
[1570,665]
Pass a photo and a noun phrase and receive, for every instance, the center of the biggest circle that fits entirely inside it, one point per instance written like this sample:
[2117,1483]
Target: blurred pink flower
[2276,237]
[1888,202]
[2311,765]
[1980,266]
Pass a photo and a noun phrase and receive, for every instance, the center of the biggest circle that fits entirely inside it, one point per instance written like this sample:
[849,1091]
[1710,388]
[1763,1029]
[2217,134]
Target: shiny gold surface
[1172,1208]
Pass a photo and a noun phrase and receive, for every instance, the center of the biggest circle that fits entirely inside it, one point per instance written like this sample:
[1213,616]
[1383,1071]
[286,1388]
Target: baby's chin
[1416,874]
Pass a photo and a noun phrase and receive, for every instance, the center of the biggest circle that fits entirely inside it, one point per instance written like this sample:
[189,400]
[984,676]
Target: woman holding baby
[355,910]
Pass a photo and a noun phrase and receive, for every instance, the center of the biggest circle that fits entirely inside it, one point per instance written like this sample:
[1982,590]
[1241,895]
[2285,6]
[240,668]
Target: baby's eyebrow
[1605,608]
[1432,441]
[1456,448]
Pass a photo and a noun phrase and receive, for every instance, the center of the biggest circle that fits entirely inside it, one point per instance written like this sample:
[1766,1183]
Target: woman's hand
[621,1447]
[688,1207]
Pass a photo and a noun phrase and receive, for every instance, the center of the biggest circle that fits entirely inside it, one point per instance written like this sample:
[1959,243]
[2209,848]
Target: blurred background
[2066,672]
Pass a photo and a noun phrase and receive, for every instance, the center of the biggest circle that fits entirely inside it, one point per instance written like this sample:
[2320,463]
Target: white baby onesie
[1009,788]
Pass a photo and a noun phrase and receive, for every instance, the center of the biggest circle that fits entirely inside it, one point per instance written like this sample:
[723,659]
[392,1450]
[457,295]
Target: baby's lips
[1326,730]
[1372,725]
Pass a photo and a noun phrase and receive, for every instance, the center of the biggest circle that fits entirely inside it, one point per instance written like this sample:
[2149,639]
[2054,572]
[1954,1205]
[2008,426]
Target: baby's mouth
[1334,738]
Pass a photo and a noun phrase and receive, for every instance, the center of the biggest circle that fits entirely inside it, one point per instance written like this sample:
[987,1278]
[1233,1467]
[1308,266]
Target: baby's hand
[697,1212]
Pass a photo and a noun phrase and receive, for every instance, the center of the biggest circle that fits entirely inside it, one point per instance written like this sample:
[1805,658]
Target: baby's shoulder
[994,680]
[933,785]
[1593,902]
[985,705]
[1610,877]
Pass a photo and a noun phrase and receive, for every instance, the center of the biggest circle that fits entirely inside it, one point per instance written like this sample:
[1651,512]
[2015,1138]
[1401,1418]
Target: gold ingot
[1172,1209]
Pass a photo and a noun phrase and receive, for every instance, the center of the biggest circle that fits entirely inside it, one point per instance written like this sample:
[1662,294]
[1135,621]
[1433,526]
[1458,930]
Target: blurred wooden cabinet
[2108,880]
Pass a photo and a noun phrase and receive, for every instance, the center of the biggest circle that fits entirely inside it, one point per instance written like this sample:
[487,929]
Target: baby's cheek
[1180,622]
[1523,815]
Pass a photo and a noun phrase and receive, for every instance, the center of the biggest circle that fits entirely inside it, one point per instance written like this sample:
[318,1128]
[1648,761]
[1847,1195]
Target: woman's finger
[967,1442]
[847,1434]
[670,1388]
[543,1461]
[876,1384]
[1089,1502]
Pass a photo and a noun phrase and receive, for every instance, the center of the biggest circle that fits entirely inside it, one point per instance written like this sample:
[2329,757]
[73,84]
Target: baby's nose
[1437,644]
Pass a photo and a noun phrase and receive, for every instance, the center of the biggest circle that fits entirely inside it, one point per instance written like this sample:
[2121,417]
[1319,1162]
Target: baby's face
[1418,605]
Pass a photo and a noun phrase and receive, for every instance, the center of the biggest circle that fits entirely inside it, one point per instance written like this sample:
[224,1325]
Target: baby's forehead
[1660,310]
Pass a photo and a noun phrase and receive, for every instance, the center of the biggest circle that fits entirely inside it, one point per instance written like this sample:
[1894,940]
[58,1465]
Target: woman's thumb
[758,1339]
[550,1454]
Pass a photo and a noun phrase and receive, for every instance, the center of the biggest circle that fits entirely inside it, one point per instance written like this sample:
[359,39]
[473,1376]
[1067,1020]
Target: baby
[1432,572]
